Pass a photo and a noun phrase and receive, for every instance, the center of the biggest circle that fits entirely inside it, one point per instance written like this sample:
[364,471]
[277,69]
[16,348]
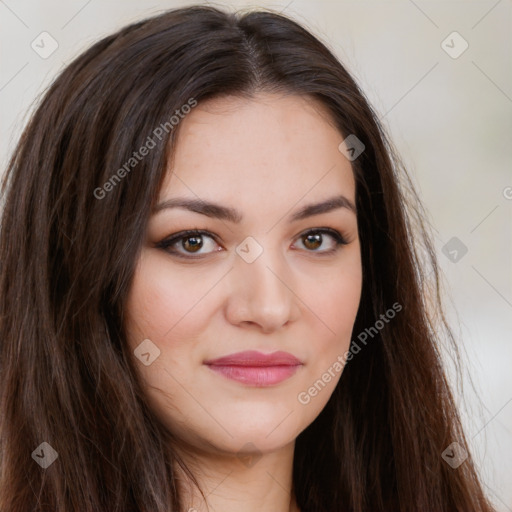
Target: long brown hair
[68,255]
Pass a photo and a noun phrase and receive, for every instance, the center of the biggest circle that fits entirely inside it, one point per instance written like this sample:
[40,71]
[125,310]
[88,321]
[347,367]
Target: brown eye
[194,243]
[188,243]
[312,241]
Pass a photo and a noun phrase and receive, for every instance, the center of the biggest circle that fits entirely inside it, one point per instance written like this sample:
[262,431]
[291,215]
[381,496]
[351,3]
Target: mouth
[256,369]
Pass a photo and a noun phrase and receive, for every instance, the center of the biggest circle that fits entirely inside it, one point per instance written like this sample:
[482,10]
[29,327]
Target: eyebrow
[218,211]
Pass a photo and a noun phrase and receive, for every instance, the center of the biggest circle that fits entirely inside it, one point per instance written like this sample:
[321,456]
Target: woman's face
[266,277]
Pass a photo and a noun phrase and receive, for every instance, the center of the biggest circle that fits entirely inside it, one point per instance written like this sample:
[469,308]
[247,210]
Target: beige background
[451,119]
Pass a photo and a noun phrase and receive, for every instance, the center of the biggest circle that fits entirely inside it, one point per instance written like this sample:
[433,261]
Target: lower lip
[258,376]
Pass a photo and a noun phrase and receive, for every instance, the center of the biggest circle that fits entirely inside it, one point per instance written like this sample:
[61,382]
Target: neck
[252,482]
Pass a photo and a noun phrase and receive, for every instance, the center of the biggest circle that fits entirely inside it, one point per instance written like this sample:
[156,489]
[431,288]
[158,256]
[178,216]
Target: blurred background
[439,75]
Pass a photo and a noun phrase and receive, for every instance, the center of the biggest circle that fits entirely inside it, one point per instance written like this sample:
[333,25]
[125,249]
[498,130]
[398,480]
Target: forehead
[267,147]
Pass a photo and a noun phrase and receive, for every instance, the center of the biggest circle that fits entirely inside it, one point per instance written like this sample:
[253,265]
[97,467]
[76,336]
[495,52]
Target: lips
[254,358]
[255,368]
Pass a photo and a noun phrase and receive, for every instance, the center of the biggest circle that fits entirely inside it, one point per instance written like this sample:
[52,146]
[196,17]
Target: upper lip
[255,358]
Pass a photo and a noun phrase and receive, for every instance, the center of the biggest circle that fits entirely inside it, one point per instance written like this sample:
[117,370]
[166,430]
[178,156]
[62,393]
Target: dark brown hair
[67,261]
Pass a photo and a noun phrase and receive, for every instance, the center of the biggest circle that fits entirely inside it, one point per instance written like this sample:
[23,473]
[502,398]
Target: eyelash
[168,242]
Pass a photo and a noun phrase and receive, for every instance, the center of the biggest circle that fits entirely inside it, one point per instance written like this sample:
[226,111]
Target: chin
[245,432]
[252,440]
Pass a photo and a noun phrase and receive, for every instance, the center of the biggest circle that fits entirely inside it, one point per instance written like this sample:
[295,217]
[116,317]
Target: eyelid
[339,238]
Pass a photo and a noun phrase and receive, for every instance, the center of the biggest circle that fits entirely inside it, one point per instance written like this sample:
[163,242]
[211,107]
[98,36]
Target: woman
[211,290]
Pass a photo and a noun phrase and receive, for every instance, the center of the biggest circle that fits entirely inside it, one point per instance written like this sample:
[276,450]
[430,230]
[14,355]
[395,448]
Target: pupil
[195,245]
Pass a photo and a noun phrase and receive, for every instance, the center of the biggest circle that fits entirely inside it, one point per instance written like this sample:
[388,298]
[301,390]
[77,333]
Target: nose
[262,293]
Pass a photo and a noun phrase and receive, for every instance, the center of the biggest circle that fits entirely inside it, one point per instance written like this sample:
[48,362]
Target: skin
[266,157]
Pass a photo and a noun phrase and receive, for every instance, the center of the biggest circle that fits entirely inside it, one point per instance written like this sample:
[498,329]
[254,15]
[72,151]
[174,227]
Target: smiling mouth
[256,369]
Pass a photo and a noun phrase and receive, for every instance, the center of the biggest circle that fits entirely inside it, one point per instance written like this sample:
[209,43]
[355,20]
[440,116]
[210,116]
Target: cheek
[161,303]
[166,309]
[334,308]
[335,304]
[337,309]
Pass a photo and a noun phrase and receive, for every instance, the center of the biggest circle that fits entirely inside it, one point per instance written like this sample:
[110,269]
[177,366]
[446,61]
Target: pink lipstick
[254,368]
